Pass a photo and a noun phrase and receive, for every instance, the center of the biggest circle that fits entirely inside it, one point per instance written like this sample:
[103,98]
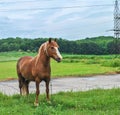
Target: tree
[90,48]
[98,45]
[114,47]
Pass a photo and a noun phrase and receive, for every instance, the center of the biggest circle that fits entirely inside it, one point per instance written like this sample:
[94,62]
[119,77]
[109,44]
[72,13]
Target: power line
[8,2]
[40,1]
[54,8]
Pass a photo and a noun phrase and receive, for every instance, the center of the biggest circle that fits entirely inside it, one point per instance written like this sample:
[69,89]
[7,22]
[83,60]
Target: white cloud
[69,23]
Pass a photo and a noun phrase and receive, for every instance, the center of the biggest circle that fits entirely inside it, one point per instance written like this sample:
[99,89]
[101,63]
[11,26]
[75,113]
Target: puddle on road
[90,79]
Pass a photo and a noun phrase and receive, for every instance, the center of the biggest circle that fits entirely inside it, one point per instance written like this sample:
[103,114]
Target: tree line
[97,45]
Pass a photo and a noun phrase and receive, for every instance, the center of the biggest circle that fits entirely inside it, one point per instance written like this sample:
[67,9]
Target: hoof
[36,104]
[49,102]
[24,94]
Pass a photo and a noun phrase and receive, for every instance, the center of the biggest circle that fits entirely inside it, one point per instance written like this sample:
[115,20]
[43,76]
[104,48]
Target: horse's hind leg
[23,85]
[27,86]
[25,89]
[21,82]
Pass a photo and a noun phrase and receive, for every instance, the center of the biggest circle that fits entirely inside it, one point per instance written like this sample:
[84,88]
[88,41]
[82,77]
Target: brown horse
[37,68]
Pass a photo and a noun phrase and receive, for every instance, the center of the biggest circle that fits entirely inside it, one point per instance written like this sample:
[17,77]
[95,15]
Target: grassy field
[95,102]
[72,65]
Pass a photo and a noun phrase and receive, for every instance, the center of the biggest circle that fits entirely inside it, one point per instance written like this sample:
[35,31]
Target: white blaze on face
[58,53]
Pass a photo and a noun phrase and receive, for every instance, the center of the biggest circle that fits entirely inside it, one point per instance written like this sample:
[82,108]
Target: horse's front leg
[47,89]
[36,103]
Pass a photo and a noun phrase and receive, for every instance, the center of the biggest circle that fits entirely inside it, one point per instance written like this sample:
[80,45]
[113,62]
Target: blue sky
[56,18]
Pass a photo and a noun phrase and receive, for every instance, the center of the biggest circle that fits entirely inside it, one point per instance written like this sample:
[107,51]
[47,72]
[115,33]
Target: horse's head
[52,50]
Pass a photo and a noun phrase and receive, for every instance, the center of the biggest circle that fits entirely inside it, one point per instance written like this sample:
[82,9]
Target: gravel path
[66,84]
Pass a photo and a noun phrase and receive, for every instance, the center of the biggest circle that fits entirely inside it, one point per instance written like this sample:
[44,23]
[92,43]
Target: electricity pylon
[116,20]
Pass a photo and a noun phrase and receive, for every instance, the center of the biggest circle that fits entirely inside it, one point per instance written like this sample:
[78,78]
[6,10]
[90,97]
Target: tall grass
[104,60]
[112,63]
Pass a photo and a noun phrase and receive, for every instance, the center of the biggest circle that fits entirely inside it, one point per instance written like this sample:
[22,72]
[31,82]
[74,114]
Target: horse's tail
[23,85]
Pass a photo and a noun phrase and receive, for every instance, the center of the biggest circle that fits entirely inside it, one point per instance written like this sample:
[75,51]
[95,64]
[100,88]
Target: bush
[113,63]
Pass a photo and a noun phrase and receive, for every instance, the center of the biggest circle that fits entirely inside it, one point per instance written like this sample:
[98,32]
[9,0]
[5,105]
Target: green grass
[12,56]
[72,65]
[8,69]
[95,102]
[79,69]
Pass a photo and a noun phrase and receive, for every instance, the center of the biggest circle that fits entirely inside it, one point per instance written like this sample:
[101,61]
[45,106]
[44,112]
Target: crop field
[72,65]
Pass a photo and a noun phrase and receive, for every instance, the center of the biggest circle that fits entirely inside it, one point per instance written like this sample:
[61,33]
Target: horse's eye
[52,48]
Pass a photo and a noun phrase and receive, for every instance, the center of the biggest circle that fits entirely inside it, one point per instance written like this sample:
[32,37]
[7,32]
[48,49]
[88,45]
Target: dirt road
[66,84]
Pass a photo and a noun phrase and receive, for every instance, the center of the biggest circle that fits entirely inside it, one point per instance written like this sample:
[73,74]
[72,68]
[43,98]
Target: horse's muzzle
[58,59]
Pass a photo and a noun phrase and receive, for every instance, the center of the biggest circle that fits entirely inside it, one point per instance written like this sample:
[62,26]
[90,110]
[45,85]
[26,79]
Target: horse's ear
[55,39]
[50,40]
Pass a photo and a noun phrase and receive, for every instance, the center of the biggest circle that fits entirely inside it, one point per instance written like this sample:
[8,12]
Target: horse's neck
[42,58]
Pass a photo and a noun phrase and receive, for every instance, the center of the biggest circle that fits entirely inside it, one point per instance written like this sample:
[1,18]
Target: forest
[97,45]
